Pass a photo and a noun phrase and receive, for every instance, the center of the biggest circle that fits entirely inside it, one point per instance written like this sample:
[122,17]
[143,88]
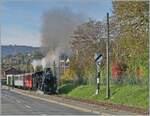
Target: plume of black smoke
[57,27]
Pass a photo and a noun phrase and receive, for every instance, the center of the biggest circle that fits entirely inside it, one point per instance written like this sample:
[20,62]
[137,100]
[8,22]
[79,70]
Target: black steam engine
[45,81]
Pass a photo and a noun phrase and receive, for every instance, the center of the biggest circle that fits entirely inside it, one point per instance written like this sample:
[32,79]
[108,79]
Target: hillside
[15,49]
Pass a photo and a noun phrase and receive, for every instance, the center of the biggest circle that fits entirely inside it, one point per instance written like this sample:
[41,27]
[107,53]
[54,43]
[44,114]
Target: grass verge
[130,95]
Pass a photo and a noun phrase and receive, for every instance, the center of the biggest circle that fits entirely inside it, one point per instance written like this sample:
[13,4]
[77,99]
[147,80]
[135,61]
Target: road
[16,104]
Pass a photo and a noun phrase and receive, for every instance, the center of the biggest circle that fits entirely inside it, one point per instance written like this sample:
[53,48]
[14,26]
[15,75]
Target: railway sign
[98,58]
[67,60]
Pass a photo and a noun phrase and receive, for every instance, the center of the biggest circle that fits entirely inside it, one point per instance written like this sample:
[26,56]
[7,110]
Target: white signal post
[98,59]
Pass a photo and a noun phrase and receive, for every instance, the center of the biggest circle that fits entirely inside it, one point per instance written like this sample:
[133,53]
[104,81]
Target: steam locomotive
[45,81]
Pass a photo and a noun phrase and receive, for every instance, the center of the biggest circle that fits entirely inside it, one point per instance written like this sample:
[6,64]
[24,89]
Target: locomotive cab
[49,82]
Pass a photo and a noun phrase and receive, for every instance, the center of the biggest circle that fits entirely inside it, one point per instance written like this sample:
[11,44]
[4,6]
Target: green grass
[66,88]
[131,95]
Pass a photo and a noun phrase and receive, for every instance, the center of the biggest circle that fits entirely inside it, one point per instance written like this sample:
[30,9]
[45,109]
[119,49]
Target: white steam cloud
[58,26]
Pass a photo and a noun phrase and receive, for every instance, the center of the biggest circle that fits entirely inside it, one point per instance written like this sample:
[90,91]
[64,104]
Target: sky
[21,20]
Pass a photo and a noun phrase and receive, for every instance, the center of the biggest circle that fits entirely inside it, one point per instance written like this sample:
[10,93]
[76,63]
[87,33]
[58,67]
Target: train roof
[9,75]
[23,74]
[39,72]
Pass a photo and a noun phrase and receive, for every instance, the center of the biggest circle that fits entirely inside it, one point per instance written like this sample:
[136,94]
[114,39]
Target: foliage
[38,68]
[21,61]
[37,55]
[125,94]
[66,88]
[131,42]
[129,32]
[118,70]
[86,41]
[67,77]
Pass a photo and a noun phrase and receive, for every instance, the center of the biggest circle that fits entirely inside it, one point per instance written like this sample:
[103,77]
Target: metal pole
[59,73]
[64,64]
[107,60]
[56,75]
[97,78]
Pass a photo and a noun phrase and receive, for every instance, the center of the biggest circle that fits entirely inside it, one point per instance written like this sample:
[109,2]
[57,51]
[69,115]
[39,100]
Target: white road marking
[56,102]
[44,115]
[27,106]
[18,101]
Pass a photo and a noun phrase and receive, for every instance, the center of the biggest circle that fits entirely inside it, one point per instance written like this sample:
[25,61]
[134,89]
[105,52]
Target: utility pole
[59,74]
[107,60]
[55,76]
[64,64]
[28,63]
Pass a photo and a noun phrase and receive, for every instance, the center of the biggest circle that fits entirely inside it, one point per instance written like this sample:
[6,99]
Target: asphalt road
[16,104]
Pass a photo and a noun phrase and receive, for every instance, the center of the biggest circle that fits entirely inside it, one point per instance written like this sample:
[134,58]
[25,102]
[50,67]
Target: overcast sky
[21,19]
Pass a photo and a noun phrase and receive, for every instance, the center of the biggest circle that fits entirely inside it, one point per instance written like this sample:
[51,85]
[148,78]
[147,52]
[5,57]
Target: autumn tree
[131,42]
[87,40]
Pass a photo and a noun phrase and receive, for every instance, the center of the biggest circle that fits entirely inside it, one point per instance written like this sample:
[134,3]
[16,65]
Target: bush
[118,71]
[66,88]
[67,77]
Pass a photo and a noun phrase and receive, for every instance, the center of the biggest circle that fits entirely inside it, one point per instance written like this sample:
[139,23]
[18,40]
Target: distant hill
[15,49]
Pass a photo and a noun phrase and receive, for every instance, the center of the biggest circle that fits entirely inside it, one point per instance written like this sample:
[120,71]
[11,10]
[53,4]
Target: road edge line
[64,104]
